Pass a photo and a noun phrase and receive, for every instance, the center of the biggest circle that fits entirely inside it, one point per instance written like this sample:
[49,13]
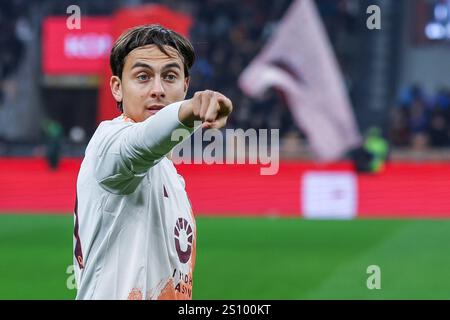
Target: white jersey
[134,234]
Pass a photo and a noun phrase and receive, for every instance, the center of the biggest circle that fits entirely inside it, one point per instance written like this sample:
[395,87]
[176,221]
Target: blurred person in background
[378,147]
[54,134]
[420,121]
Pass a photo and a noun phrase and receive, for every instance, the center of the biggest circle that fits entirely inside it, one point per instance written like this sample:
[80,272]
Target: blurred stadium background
[308,232]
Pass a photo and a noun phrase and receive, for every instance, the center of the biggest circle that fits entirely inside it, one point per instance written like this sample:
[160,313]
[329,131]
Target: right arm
[126,155]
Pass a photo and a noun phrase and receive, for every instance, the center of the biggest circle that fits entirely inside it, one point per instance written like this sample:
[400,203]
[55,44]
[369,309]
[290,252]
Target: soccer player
[135,234]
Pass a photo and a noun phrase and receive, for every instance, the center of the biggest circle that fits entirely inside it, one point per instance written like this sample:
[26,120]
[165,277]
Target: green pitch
[255,258]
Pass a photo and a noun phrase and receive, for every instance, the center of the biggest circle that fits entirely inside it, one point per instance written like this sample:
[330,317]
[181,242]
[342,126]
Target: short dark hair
[149,34]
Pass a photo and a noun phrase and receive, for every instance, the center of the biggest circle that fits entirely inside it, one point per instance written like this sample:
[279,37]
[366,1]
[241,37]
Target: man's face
[150,81]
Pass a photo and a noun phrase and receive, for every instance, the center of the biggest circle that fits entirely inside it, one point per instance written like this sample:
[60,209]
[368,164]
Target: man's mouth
[154,108]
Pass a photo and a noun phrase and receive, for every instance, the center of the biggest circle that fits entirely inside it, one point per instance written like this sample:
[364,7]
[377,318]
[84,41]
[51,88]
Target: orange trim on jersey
[127,119]
[135,294]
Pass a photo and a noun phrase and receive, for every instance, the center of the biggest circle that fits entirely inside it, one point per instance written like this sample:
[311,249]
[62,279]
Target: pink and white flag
[299,61]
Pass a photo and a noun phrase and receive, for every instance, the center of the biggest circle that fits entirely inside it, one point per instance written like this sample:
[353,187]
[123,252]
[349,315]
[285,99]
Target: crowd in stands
[227,35]
[421,120]
[12,47]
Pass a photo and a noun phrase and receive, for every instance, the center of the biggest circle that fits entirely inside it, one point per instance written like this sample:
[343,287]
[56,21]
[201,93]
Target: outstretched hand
[210,107]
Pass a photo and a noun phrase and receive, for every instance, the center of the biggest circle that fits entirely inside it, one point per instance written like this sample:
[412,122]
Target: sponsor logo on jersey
[183,239]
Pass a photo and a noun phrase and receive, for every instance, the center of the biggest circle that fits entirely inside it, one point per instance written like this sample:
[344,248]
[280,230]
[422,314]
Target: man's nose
[157,90]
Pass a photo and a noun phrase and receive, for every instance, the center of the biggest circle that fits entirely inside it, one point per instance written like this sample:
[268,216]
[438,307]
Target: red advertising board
[75,51]
[402,190]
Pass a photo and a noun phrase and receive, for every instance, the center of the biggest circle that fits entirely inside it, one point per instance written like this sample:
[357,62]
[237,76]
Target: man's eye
[170,77]
[142,77]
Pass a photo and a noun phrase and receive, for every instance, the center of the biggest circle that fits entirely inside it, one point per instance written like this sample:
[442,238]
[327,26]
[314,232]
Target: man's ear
[186,84]
[116,88]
